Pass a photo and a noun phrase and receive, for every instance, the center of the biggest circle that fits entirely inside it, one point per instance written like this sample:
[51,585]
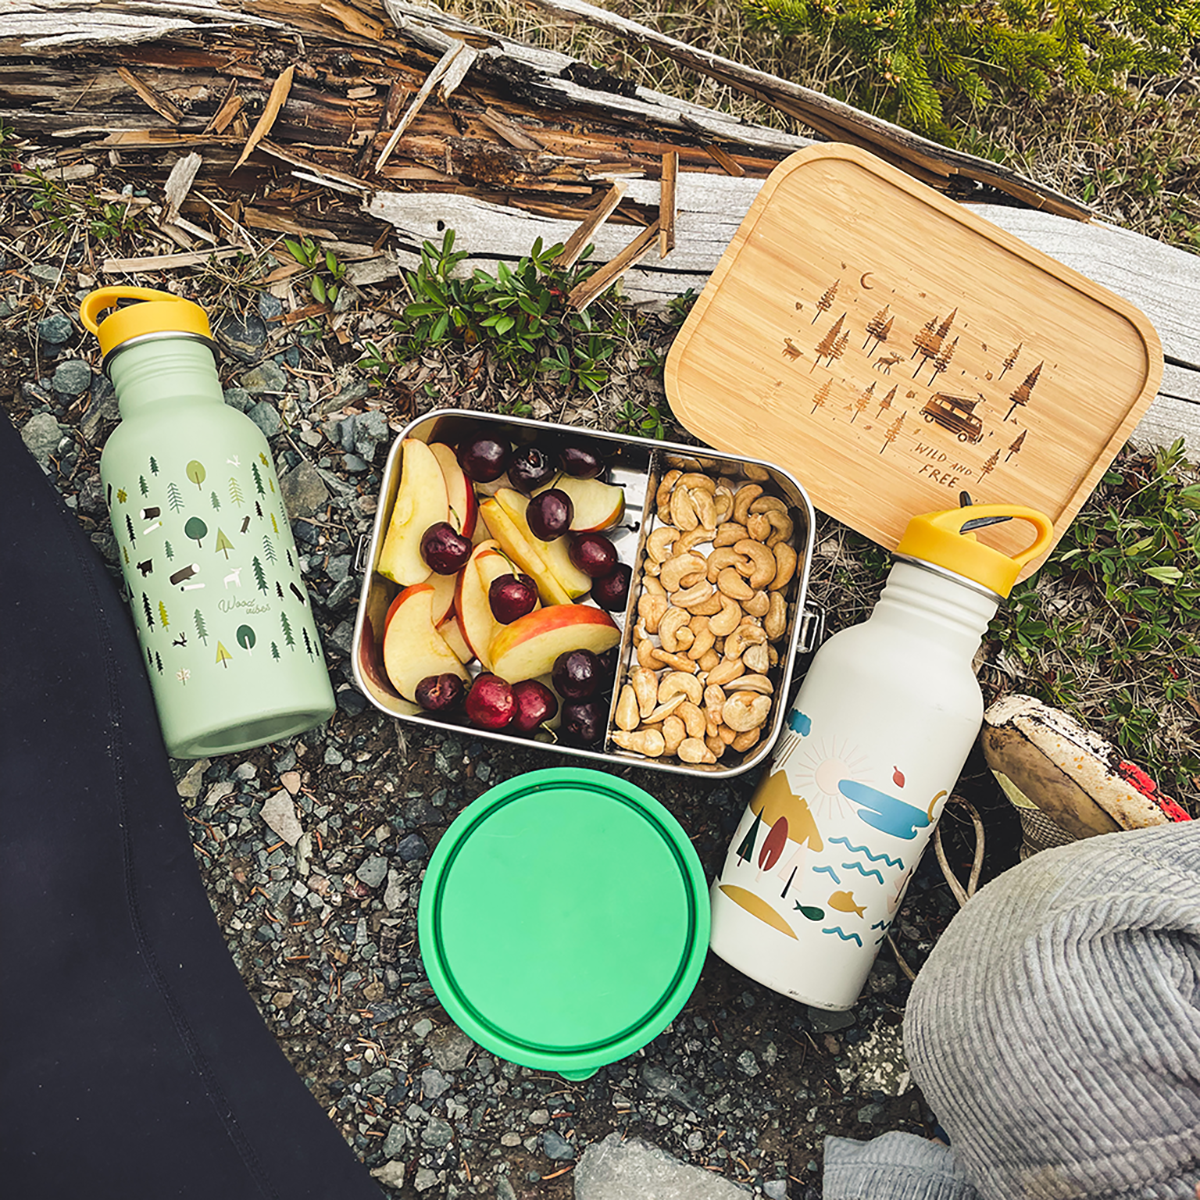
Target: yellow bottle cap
[160,313]
[940,539]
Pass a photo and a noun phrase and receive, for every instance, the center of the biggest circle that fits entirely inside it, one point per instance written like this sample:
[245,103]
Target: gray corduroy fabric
[1055,1031]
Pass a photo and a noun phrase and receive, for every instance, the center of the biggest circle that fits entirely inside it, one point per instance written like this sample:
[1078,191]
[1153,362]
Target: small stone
[244,771]
[354,464]
[556,1147]
[279,812]
[673,1088]
[243,336]
[434,1083]
[71,377]
[775,1189]
[269,307]
[510,1139]
[41,435]
[338,568]
[450,1048]
[46,274]
[303,490]
[540,1117]
[266,377]
[423,1028]
[413,848]
[437,1133]
[55,329]
[748,1064]
[291,780]
[395,894]
[425,1179]
[827,1022]
[238,398]
[391,1174]
[619,1168]
[373,870]
[189,786]
[266,416]
[396,1140]
[369,430]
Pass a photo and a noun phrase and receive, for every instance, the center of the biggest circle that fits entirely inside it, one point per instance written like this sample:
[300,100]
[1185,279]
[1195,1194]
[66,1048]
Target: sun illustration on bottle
[818,770]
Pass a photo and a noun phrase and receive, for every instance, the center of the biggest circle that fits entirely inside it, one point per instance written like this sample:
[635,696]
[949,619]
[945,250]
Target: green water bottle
[222,614]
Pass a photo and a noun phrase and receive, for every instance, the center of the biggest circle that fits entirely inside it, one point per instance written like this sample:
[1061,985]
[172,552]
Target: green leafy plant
[1109,627]
[638,421]
[327,272]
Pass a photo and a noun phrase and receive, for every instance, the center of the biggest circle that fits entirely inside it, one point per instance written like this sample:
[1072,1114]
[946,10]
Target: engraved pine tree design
[886,402]
[862,400]
[878,327]
[822,395]
[893,431]
[1015,448]
[827,346]
[826,301]
[989,466]
[1022,393]
[929,340]
[943,359]
[1011,360]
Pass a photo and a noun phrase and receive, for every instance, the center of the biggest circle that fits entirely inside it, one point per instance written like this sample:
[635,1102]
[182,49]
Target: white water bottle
[875,741]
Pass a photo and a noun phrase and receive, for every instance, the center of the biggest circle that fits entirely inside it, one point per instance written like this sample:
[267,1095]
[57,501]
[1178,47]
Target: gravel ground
[313,850]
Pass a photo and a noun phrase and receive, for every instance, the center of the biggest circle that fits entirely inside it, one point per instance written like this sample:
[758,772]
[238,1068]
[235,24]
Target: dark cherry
[490,702]
[576,674]
[536,704]
[512,596]
[612,590]
[549,514]
[444,548]
[529,468]
[441,693]
[608,665]
[579,461]
[592,553]
[582,722]
[483,457]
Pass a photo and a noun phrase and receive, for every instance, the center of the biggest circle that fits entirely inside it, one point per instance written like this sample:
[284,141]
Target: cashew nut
[714,697]
[645,654]
[763,561]
[663,711]
[694,721]
[746,495]
[627,715]
[673,731]
[758,605]
[751,683]
[785,566]
[723,499]
[645,688]
[727,556]
[754,471]
[672,621]
[775,622]
[758,526]
[676,661]
[707,608]
[651,609]
[693,538]
[662,497]
[695,595]
[768,504]
[703,641]
[708,660]
[742,638]
[658,544]
[683,511]
[716,745]
[697,479]
[706,508]
[732,584]
[676,569]
[783,527]
[643,741]
[726,621]
[679,683]
[728,533]
[744,741]
[726,670]
[757,659]
[693,750]
[745,710]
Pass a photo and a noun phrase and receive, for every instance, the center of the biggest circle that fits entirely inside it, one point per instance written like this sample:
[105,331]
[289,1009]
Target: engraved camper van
[955,413]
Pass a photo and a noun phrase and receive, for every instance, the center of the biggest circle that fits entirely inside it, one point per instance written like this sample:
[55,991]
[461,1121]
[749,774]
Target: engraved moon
[863,280]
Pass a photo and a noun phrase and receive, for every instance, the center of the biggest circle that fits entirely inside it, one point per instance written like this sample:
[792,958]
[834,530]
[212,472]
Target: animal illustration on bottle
[234,577]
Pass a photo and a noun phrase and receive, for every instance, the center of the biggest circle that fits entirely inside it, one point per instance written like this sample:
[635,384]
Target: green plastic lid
[564,919]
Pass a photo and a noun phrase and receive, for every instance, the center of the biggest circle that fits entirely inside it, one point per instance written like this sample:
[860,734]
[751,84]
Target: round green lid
[564,919]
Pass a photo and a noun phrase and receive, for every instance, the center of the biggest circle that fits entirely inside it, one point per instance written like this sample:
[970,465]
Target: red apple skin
[530,645]
[464,507]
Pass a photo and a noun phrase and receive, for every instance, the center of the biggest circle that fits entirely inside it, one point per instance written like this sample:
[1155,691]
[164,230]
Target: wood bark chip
[275,101]
[160,104]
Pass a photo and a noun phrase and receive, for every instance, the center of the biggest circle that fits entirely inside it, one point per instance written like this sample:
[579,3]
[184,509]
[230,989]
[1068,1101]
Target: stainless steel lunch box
[636,465]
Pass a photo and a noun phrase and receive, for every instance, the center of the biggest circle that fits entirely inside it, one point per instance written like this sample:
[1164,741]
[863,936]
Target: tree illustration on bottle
[886,402]
[893,431]
[989,466]
[278,589]
[196,529]
[125,554]
[245,638]
[822,395]
[153,466]
[291,565]
[201,628]
[287,630]
[258,510]
[268,549]
[129,528]
[878,327]
[274,527]
[745,851]
[235,491]
[1021,395]
[828,346]
[826,301]
[307,644]
[195,472]
[174,499]
[1015,448]
[862,400]
[162,615]
[260,578]
[224,545]
[146,610]
[168,550]
[121,496]
[223,655]
[143,486]
[215,501]
[1011,360]
[275,651]
[158,662]
[258,483]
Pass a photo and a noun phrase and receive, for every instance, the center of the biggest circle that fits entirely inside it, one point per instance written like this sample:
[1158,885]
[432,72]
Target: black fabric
[133,1062]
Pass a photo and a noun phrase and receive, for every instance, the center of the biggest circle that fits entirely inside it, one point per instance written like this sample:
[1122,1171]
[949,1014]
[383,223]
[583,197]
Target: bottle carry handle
[952,520]
[108,297]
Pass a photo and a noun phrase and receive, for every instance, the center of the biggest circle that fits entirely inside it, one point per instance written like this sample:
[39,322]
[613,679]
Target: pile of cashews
[711,612]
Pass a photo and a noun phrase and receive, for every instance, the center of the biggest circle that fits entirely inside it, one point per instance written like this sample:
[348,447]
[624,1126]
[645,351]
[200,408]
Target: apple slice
[464,508]
[528,647]
[471,599]
[412,646]
[444,589]
[421,501]
[451,630]
[556,554]
[597,505]
[523,548]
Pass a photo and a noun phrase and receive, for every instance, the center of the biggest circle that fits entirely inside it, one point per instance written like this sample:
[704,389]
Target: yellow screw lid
[946,539]
[161,313]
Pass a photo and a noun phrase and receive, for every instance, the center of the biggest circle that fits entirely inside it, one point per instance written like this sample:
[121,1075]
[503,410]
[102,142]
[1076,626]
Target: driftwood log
[376,126]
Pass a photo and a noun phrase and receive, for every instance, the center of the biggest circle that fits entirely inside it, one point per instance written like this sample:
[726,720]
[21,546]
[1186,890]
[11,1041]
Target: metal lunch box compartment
[637,466]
